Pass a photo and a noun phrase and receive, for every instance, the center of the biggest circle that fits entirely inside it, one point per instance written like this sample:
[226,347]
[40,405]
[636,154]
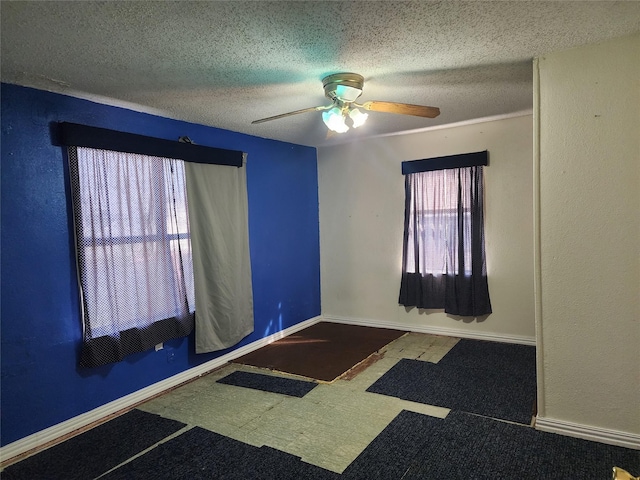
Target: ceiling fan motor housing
[344,87]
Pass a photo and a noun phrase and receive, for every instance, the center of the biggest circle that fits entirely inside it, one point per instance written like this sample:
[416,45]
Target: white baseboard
[59,430]
[588,432]
[447,332]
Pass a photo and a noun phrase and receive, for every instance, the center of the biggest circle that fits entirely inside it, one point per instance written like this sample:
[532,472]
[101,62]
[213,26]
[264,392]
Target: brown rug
[323,351]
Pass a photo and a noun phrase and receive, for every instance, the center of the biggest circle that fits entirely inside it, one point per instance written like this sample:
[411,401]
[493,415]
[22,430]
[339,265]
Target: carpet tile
[202,454]
[269,383]
[96,451]
[503,395]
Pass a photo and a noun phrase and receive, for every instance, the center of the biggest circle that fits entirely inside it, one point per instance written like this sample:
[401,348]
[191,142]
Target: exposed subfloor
[329,427]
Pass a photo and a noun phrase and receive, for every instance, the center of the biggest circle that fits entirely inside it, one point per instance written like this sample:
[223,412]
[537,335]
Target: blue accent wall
[41,331]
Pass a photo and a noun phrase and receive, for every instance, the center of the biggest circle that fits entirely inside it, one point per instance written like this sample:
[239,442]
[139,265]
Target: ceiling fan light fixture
[357,117]
[343,89]
[334,120]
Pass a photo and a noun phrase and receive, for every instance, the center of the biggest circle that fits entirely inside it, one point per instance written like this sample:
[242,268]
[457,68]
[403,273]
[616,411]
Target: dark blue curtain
[444,263]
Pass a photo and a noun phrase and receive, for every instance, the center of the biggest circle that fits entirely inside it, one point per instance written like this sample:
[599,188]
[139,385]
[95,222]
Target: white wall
[588,260]
[361,190]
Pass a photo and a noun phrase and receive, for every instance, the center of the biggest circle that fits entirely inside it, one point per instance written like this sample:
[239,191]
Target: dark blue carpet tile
[269,383]
[469,446]
[202,454]
[494,393]
[465,446]
[396,449]
[504,357]
[275,464]
[96,451]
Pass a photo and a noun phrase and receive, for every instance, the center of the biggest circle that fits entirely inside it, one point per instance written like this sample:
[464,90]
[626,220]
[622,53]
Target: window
[137,244]
[443,256]
[435,224]
[134,251]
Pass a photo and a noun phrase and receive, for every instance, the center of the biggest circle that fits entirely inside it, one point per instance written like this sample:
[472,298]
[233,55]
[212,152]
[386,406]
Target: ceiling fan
[343,89]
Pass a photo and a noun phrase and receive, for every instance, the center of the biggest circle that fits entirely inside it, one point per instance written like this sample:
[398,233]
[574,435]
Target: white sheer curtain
[133,248]
[218,213]
[433,229]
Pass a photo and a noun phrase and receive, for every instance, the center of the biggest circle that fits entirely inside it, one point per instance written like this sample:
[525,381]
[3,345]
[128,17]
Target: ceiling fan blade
[288,114]
[401,108]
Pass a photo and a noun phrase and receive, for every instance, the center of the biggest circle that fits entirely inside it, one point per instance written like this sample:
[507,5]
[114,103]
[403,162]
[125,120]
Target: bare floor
[329,427]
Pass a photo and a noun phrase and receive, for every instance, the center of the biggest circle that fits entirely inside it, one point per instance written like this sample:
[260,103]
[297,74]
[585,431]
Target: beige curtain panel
[218,217]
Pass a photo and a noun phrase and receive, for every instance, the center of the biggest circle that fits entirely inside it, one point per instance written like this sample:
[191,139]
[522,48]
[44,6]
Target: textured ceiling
[225,64]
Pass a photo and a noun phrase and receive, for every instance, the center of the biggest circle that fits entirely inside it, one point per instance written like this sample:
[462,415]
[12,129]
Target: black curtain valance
[73,134]
[442,163]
